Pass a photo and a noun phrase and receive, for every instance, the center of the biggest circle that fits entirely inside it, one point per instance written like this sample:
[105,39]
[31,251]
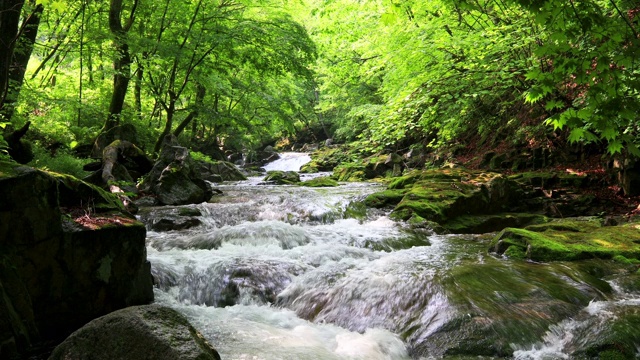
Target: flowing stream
[287,272]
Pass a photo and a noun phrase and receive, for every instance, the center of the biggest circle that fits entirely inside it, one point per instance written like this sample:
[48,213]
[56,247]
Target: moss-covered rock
[217,171]
[175,177]
[324,181]
[569,240]
[385,198]
[444,194]
[373,167]
[327,158]
[350,172]
[480,224]
[282,177]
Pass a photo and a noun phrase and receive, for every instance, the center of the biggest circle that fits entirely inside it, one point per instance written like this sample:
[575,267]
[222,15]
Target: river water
[286,272]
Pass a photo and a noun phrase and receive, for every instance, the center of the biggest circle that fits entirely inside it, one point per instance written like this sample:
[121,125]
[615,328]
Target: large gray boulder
[217,171]
[142,332]
[175,178]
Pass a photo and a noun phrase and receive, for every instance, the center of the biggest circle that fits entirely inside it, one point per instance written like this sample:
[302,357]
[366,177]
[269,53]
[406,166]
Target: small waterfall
[288,161]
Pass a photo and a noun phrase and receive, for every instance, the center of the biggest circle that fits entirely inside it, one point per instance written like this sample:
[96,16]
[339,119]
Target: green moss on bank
[565,240]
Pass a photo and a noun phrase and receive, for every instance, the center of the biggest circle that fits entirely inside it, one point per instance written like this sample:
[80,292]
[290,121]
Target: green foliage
[196,155]
[4,147]
[386,75]
[587,78]
[422,72]
[61,162]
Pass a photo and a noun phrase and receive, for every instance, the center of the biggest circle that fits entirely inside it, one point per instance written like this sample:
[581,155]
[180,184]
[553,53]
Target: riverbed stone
[327,158]
[569,239]
[323,181]
[139,332]
[282,177]
[480,224]
[378,166]
[218,171]
[169,218]
[494,306]
[455,199]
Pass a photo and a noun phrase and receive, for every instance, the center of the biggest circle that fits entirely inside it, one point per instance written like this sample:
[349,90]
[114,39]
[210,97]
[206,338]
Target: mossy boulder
[499,304]
[569,240]
[443,195]
[327,158]
[386,198]
[217,171]
[282,177]
[175,178]
[324,181]
[376,166]
[480,224]
[350,172]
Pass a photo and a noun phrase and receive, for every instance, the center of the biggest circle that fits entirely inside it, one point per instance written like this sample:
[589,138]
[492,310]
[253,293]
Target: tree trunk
[122,67]
[9,26]
[20,59]
[167,126]
[200,94]
[138,90]
[122,62]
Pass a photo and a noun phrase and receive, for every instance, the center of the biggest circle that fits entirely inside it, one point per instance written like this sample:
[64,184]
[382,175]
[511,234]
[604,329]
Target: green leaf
[534,95]
[558,121]
[609,134]
[633,150]
[576,135]
[554,104]
[388,18]
[615,147]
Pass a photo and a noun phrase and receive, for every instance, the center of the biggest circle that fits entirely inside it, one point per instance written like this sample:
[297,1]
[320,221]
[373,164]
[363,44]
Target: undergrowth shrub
[61,161]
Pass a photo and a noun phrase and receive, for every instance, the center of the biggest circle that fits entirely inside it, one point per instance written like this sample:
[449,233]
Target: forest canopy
[235,75]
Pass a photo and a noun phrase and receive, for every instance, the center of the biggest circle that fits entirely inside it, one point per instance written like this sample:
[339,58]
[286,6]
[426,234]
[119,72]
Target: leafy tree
[588,76]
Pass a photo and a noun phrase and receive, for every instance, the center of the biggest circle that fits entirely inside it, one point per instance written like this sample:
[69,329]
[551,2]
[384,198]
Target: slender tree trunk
[122,62]
[9,26]
[200,94]
[122,67]
[170,109]
[194,130]
[137,91]
[20,59]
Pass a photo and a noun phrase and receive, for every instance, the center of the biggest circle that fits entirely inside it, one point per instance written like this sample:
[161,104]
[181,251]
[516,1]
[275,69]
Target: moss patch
[350,172]
[570,240]
[282,177]
[75,193]
[327,158]
[479,224]
[384,198]
[324,181]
